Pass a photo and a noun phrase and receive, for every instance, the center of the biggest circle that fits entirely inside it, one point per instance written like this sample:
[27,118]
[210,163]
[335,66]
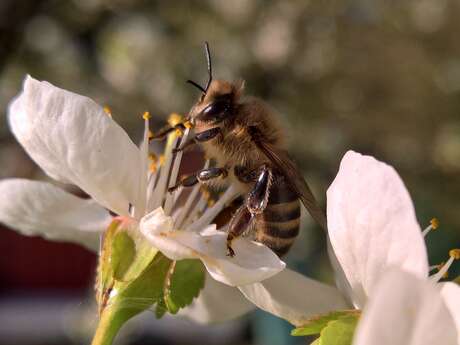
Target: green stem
[109,324]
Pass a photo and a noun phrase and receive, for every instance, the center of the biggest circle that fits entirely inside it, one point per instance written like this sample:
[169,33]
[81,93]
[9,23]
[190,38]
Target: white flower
[408,310]
[372,226]
[373,229]
[74,141]
[451,295]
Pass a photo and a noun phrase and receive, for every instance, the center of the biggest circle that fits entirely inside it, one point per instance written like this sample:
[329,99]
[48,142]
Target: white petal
[217,302]
[405,310]
[451,294]
[372,224]
[72,139]
[41,209]
[253,261]
[340,279]
[294,297]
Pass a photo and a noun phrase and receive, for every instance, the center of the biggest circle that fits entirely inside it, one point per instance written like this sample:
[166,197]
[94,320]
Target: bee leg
[166,130]
[241,221]
[258,197]
[201,176]
[255,204]
[200,138]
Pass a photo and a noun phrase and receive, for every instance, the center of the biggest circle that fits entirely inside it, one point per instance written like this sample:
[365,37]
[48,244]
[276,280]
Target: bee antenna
[208,59]
[198,86]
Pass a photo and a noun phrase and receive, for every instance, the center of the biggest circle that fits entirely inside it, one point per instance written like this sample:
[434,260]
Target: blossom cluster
[376,245]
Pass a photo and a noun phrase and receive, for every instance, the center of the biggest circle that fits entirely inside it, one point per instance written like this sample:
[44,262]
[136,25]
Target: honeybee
[242,135]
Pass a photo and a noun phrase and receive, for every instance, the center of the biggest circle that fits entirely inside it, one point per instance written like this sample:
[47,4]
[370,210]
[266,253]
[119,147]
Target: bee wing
[288,168]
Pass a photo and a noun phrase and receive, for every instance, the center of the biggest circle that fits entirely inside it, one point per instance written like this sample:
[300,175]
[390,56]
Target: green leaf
[183,283]
[128,298]
[133,277]
[339,332]
[316,324]
[123,253]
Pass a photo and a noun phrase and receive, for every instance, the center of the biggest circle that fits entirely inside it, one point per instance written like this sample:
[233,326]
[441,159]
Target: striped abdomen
[278,225]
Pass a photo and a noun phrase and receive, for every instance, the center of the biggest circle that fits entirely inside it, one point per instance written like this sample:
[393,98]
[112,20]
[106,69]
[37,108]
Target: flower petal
[405,310]
[372,224]
[72,139]
[340,279]
[253,261]
[217,302]
[41,209]
[451,294]
[294,297]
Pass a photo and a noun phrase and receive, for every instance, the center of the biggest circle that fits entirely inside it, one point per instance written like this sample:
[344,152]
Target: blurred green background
[379,77]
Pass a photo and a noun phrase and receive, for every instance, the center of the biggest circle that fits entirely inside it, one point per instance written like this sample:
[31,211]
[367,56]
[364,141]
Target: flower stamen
[179,132]
[146,115]
[434,224]
[174,119]
[108,111]
[152,167]
[188,124]
[454,254]
[438,268]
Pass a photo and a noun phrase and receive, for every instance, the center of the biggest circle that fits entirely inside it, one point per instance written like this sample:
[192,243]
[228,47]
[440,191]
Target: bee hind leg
[255,204]
[201,176]
[257,199]
[241,221]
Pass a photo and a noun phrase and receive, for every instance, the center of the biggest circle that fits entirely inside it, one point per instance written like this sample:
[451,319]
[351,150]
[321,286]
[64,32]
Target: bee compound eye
[216,111]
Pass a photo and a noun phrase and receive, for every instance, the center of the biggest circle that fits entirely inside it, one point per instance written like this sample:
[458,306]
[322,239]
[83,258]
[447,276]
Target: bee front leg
[201,176]
[200,138]
[166,130]
[255,204]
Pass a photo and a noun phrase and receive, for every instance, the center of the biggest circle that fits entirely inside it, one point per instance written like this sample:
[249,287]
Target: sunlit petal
[253,261]
[372,224]
[73,140]
[451,294]
[294,297]
[41,209]
[405,310]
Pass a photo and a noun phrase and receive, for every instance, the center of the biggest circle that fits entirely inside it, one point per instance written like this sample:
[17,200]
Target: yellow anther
[150,135]
[434,223]
[211,202]
[174,119]
[153,167]
[188,124]
[153,157]
[455,254]
[146,115]
[179,132]
[162,160]
[107,110]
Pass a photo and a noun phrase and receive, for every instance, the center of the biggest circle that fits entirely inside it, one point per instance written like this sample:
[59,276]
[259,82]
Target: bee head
[218,97]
